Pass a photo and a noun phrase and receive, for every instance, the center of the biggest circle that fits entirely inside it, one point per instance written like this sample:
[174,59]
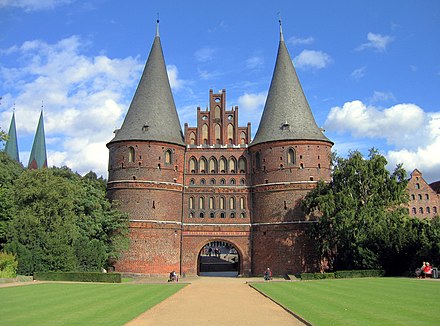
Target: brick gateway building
[212,184]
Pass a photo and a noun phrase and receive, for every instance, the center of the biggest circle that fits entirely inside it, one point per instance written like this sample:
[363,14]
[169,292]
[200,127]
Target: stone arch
[203,165]
[228,263]
[242,165]
[223,165]
[192,165]
[213,165]
[232,164]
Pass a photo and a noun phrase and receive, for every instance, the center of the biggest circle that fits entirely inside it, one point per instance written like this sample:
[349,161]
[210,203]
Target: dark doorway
[219,258]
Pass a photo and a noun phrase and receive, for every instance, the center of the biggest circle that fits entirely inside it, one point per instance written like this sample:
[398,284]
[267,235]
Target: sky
[369,69]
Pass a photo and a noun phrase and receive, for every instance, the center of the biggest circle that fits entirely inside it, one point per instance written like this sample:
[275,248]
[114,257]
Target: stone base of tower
[154,249]
[284,248]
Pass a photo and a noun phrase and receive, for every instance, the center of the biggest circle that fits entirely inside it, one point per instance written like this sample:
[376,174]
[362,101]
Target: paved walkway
[216,301]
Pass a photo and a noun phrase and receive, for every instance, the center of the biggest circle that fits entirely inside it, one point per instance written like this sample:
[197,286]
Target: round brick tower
[146,159]
[289,155]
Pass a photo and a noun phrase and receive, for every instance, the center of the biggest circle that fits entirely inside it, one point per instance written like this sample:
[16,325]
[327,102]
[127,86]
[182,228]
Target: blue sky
[370,69]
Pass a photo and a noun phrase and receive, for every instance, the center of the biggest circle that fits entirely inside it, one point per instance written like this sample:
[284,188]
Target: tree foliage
[63,222]
[362,222]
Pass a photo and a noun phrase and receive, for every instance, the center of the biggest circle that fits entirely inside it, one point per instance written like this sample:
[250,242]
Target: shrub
[78,277]
[360,273]
[8,265]
[316,276]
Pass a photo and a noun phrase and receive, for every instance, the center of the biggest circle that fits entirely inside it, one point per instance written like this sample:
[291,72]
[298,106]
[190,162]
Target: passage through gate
[218,258]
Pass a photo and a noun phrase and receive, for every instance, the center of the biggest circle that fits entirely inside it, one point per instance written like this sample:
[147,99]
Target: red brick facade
[216,188]
[424,202]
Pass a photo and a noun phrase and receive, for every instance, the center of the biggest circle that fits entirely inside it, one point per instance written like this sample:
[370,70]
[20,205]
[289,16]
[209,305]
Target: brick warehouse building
[212,184]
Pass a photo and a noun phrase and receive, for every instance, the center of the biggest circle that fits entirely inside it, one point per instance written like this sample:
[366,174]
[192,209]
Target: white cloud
[205,54]
[382,97]
[413,134]
[251,106]
[377,42]
[312,59]
[84,99]
[33,5]
[358,73]
[294,40]
[173,75]
[255,62]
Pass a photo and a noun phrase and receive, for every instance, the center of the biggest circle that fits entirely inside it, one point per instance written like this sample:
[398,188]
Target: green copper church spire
[11,147]
[38,158]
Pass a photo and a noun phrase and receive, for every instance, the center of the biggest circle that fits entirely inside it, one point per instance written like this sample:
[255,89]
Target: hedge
[8,265]
[343,274]
[78,277]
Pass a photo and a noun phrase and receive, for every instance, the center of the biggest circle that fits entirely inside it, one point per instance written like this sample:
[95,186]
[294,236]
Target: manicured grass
[79,304]
[362,301]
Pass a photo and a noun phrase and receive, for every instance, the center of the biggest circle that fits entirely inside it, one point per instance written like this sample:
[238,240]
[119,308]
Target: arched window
[192,138]
[168,156]
[217,112]
[222,203]
[192,182]
[212,215]
[242,165]
[222,215]
[202,182]
[191,215]
[291,156]
[230,132]
[428,210]
[257,161]
[414,210]
[231,203]
[201,202]
[203,165]
[242,203]
[232,181]
[222,165]
[242,181]
[413,197]
[421,210]
[217,134]
[211,203]
[232,165]
[212,165]
[417,185]
[243,138]
[205,134]
[192,165]
[191,202]
[131,154]
[420,197]
[212,181]
[202,215]
[427,196]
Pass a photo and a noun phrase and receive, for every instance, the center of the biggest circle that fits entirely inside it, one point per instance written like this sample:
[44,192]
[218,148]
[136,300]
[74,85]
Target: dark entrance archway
[218,258]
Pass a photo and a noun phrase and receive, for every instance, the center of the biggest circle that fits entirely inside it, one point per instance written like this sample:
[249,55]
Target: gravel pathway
[216,301]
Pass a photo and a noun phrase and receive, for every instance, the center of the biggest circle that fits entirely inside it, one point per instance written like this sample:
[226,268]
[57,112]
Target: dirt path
[216,301]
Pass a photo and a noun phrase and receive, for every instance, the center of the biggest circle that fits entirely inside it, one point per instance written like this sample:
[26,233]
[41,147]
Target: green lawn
[362,301]
[79,304]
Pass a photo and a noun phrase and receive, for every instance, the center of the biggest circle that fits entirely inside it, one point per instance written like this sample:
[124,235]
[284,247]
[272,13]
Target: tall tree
[63,222]
[355,211]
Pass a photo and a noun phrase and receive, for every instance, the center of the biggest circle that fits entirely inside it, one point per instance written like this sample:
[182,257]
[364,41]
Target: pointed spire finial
[281,28]
[157,25]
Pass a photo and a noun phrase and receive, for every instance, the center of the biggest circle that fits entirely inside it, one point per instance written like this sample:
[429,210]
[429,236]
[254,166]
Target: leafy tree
[64,222]
[10,170]
[359,212]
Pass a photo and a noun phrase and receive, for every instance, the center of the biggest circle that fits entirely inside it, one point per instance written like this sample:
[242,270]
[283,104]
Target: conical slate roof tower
[152,114]
[287,114]
[11,147]
[38,157]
